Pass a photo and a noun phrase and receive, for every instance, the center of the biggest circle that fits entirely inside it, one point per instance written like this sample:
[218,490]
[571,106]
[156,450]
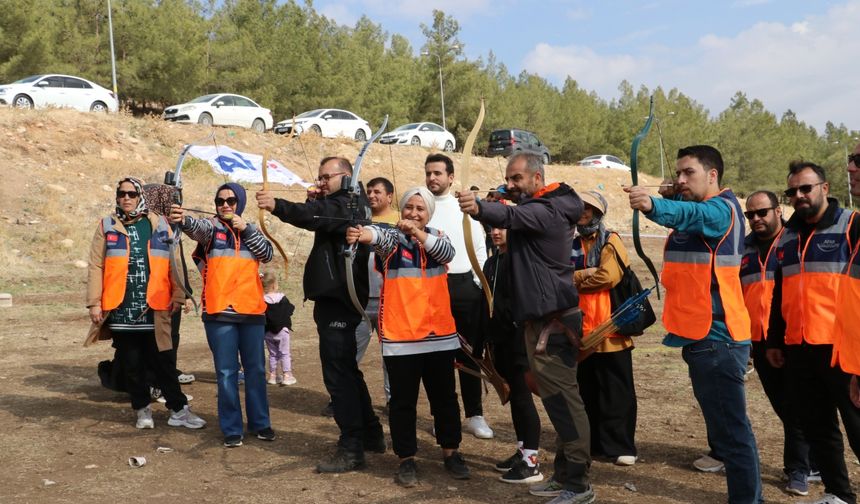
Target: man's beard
[810,211]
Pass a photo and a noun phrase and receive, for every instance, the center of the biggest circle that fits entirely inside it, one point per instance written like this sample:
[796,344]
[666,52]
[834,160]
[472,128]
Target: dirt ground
[67,440]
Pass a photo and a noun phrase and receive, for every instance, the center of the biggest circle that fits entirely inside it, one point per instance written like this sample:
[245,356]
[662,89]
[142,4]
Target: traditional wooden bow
[261,216]
[465,178]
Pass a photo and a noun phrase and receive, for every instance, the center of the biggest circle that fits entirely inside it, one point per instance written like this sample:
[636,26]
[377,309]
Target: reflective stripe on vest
[757,283]
[596,307]
[811,274]
[231,275]
[846,336]
[689,268]
[159,285]
[414,301]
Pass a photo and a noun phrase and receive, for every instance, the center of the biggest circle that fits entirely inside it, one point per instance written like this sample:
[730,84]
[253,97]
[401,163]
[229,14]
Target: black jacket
[325,271]
[540,238]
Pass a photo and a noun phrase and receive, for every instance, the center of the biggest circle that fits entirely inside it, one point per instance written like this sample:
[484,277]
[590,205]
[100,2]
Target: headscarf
[239,191]
[425,194]
[141,208]
[592,199]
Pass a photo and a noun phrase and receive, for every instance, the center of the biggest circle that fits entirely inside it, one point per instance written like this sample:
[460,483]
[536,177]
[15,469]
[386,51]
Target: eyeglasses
[761,213]
[854,158]
[130,194]
[230,201]
[804,189]
[328,176]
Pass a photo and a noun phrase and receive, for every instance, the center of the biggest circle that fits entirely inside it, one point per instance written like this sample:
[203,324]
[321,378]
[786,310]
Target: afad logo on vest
[220,236]
[828,245]
[680,237]
[112,237]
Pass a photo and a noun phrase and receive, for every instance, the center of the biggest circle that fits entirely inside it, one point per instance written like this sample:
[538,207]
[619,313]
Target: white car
[329,123]
[425,134]
[603,161]
[222,110]
[54,90]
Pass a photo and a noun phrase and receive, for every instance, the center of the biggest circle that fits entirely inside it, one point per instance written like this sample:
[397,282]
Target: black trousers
[353,411]
[818,392]
[466,307]
[406,372]
[511,361]
[139,353]
[606,386]
[774,381]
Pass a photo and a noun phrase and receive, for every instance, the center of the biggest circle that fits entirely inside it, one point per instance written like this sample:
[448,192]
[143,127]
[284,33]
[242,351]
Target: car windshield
[406,127]
[310,113]
[500,135]
[203,99]
[591,158]
[26,80]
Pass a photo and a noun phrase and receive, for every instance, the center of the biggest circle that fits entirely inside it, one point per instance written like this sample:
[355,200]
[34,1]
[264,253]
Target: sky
[790,54]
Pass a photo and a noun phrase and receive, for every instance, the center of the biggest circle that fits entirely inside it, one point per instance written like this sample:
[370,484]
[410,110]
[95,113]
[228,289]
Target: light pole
[847,175]
[112,55]
[441,87]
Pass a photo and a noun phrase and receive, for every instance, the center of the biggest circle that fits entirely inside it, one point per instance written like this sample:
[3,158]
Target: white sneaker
[478,427]
[288,379]
[626,460]
[273,379]
[144,418]
[827,499]
[185,418]
[708,464]
[186,378]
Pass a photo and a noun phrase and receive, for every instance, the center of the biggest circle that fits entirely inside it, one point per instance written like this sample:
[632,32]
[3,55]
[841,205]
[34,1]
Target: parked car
[505,142]
[603,161]
[222,110]
[55,90]
[329,123]
[424,134]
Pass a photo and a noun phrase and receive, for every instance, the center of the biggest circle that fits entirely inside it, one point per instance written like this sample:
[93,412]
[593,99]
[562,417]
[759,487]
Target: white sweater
[449,219]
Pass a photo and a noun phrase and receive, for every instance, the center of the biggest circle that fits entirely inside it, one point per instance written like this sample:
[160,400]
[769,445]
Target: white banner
[244,167]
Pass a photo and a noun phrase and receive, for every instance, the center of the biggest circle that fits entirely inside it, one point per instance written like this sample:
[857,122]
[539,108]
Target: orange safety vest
[414,302]
[596,307]
[159,285]
[811,274]
[757,282]
[846,337]
[690,266]
[231,274]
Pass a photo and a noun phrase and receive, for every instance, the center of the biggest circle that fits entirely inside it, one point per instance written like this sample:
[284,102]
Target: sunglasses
[803,189]
[130,194]
[854,158]
[230,201]
[761,213]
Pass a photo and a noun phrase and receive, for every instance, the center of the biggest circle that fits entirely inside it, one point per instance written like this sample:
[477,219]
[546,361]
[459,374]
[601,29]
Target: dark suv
[510,141]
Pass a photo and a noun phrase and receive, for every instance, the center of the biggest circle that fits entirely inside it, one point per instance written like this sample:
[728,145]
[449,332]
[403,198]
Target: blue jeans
[717,374]
[229,342]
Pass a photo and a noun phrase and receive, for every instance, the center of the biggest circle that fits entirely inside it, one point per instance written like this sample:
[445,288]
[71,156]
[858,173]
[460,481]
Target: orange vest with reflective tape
[690,268]
[414,302]
[757,282]
[231,274]
[811,275]
[846,337]
[159,285]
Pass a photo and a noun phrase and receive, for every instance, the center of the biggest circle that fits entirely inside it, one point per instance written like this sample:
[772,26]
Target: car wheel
[23,101]
[449,146]
[259,126]
[205,119]
[545,158]
[98,107]
[360,135]
[316,130]
[415,141]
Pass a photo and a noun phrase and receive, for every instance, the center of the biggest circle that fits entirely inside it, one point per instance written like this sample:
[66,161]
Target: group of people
[551,263]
